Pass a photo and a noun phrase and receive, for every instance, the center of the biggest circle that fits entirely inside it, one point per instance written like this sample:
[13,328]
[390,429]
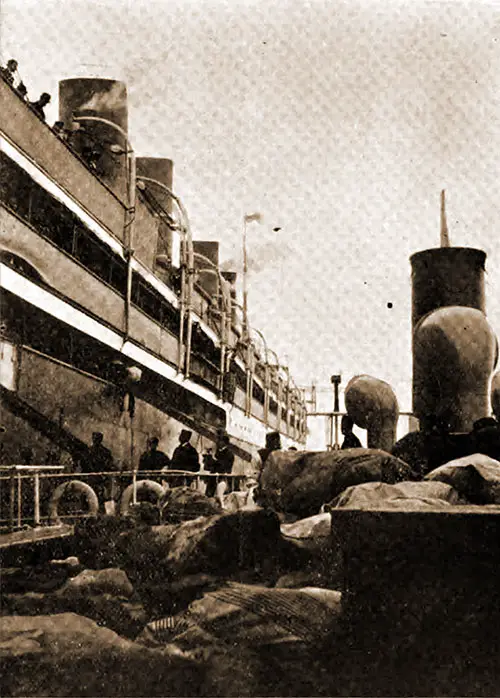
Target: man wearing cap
[221,464]
[185,456]
[99,459]
[350,438]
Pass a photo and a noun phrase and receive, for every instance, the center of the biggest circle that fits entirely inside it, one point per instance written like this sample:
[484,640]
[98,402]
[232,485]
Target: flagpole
[245,288]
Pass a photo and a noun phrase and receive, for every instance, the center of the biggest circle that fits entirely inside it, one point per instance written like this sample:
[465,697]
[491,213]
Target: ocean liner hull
[77,308]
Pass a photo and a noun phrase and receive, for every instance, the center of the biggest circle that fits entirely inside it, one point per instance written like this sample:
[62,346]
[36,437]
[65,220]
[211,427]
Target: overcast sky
[340,122]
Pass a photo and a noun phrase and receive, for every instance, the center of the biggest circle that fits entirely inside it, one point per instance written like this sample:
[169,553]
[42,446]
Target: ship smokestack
[103,147]
[446,276]
[445,238]
[453,344]
[207,279]
[162,170]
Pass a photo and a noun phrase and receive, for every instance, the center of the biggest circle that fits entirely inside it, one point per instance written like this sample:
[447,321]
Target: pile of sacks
[226,596]
[300,483]
[178,609]
[257,640]
[476,478]
[106,595]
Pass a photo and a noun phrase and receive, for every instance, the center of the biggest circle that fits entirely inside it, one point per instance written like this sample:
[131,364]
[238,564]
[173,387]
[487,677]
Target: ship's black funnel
[102,146]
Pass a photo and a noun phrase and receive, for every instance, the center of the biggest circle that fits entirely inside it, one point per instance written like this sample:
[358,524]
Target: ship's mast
[445,238]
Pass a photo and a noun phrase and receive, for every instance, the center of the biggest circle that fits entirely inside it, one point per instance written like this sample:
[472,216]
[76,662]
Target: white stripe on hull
[102,233]
[239,426]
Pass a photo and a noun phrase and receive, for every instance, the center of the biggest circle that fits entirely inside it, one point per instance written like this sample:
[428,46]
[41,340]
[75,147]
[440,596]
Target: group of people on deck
[424,450]
[9,72]
[185,456]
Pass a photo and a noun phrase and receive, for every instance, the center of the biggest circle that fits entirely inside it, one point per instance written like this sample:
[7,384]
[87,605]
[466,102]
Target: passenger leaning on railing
[60,131]
[38,106]
[224,456]
[8,73]
[273,443]
[22,91]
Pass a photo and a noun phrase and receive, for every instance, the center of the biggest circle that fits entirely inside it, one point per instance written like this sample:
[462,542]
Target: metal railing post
[266,393]
[134,483]
[19,500]
[187,272]
[280,397]
[12,498]
[37,499]
[182,312]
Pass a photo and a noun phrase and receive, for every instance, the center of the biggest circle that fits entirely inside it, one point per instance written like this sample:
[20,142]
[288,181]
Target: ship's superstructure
[113,318]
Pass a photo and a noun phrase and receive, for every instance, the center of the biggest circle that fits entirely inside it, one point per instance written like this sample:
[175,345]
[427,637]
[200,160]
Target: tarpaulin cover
[405,495]
[475,477]
[301,483]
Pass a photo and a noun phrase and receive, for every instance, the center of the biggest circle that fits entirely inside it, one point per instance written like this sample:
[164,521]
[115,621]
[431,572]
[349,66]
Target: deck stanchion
[12,497]
[19,500]
[37,498]
[134,491]
[19,473]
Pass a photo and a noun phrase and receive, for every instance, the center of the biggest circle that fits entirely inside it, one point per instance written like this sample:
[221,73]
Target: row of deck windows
[59,225]
[56,223]
[62,227]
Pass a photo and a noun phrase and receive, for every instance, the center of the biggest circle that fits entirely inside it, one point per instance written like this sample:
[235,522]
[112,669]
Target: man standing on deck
[99,458]
[224,457]
[485,437]
[221,464]
[152,458]
[185,456]
[273,443]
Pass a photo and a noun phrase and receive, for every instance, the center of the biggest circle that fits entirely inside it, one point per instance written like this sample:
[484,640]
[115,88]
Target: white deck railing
[26,490]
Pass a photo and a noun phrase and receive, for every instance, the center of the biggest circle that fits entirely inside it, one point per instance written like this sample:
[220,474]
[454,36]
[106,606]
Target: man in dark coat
[224,457]
[428,448]
[273,443]
[99,458]
[222,463]
[185,456]
[152,458]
